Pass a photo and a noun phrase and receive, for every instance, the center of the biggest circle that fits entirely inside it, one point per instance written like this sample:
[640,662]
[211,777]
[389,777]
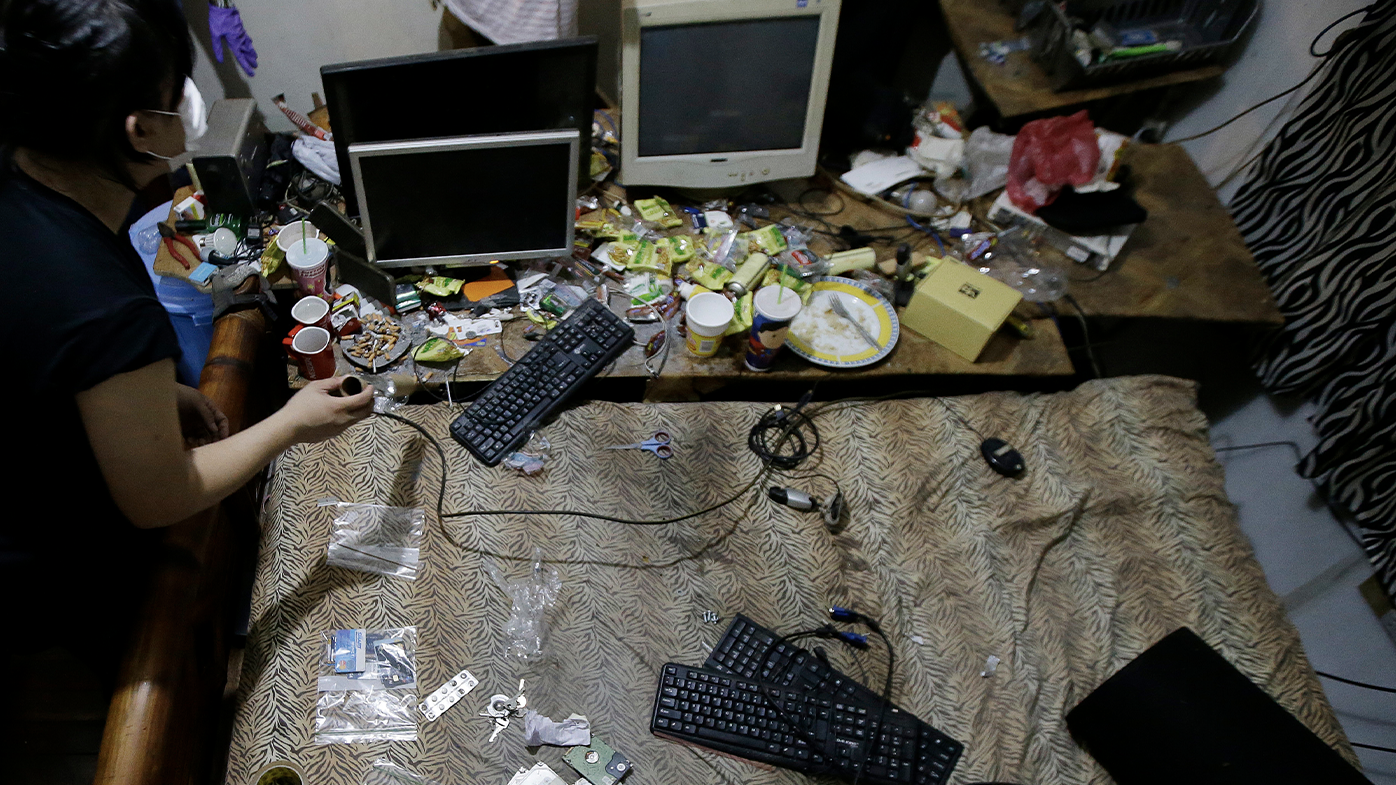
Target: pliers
[171,237]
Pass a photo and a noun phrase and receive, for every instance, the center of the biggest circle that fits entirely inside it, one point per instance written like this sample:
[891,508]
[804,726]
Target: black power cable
[1292,445]
[1371,747]
[779,439]
[1323,57]
[1364,685]
[769,439]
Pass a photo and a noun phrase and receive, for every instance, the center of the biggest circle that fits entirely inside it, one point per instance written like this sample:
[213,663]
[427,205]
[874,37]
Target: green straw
[302,236]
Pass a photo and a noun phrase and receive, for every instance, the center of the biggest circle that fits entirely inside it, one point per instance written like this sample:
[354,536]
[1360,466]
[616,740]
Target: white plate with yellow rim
[825,338]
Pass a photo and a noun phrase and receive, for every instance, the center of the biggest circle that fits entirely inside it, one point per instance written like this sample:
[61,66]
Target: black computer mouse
[1002,457]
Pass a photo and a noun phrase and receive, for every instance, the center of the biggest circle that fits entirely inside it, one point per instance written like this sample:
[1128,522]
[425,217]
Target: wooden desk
[165,264]
[1187,261]
[1005,355]
[1019,86]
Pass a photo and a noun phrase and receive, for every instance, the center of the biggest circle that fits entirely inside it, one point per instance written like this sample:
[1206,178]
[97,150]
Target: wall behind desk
[293,39]
[1274,59]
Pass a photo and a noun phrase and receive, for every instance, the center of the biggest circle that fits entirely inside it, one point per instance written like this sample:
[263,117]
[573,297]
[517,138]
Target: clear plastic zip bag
[375,538]
[365,717]
[367,683]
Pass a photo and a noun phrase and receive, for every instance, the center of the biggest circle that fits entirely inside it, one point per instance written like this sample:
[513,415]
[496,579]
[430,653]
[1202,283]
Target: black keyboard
[801,730]
[513,405]
[750,650]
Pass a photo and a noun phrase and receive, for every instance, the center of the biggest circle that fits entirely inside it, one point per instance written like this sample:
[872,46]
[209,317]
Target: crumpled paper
[575,731]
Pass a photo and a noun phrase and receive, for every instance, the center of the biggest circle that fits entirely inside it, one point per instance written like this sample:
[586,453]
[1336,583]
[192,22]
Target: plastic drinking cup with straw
[769,324]
[309,263]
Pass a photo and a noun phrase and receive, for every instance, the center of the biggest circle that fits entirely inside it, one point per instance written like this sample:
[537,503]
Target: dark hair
[71,71]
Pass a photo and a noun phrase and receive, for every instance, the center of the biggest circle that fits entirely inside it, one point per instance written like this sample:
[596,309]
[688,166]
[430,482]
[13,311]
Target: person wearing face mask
[95,98]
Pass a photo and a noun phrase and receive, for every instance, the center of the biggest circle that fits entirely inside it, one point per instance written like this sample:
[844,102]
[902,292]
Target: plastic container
[190,310]
[1207,29]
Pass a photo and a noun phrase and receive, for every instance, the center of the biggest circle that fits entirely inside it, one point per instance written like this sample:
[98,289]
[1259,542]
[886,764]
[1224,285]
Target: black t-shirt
[80,309]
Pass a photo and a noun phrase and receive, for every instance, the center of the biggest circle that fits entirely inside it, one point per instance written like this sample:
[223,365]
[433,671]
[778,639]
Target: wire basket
[1208,30]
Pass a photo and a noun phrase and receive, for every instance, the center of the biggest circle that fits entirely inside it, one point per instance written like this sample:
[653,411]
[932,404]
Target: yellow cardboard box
[959,308]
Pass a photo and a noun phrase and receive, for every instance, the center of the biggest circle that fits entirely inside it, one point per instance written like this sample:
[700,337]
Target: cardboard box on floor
[959,308]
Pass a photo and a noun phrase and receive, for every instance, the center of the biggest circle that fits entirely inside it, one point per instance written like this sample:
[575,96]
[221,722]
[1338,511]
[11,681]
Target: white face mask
[192,115]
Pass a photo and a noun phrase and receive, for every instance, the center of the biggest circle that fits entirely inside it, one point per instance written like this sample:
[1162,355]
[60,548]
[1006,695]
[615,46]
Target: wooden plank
[1020,86]
[1187,261]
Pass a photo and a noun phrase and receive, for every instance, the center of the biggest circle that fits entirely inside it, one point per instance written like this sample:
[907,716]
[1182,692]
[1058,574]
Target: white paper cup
[312,311]
[291,234]
[708,315]
[309,262]
[311,347]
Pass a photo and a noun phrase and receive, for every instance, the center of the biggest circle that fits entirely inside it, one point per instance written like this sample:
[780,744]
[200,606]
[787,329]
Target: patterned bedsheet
[1119,532]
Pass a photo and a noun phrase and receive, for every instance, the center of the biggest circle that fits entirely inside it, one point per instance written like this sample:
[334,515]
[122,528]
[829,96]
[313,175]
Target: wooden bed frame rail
[164,719]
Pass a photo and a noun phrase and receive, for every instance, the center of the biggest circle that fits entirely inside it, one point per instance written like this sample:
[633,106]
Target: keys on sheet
[501,707]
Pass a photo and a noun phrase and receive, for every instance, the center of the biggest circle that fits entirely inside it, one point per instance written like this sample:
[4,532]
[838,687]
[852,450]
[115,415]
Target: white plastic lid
[777,302]
[308,254]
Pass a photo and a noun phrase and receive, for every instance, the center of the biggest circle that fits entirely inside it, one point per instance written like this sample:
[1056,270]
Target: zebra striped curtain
[1319,213]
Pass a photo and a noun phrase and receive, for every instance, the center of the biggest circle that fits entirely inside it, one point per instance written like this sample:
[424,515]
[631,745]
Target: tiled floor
[1312,563]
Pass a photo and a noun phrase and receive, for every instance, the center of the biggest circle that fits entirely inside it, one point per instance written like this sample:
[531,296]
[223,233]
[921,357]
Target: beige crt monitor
[723,93]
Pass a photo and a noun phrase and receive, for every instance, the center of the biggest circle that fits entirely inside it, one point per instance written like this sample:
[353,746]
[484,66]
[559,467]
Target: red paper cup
[312,311]
[314,356]
[309,261]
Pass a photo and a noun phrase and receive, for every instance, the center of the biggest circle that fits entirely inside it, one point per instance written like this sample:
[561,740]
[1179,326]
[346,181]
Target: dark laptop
[1180,714]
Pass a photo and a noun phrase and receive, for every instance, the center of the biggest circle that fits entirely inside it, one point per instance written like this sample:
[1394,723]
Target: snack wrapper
[658,211]
[709,274]
[652,257]
[440,286]
[742,316]
[769,239]
[681,248]
[437,350]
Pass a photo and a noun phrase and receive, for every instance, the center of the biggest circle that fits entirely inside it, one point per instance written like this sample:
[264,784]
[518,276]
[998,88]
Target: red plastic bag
[1048,154]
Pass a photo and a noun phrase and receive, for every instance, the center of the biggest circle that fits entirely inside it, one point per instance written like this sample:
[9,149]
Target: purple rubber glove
[225,26]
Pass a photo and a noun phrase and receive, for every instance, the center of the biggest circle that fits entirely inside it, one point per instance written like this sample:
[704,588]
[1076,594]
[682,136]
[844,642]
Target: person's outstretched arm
[132,421]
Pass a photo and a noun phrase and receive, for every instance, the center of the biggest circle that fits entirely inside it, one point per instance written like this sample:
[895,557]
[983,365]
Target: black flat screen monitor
[467,200]
[540,86]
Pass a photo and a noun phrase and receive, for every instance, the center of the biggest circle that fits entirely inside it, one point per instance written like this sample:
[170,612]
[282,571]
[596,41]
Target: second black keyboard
[543,379]
[750,650]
